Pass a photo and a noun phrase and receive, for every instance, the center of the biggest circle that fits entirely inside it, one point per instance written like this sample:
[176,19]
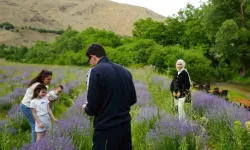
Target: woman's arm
[36,118]
[50,113]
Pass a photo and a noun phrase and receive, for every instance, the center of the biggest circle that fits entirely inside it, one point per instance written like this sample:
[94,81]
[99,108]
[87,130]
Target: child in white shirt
[54,95]
[41,111]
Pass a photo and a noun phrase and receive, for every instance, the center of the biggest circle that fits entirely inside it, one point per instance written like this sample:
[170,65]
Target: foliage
[41,30]
[7,25]
[213,39]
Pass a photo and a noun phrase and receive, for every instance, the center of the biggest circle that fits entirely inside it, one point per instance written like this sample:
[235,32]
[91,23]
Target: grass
[3,114]
[161,97]
[232,95]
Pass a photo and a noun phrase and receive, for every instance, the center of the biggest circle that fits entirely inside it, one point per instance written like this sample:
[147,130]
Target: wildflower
[247,124]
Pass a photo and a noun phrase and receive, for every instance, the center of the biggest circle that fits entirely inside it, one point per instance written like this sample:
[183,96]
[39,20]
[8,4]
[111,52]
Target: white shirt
[29,94]
[40,105]
[88,77]
[180,71]
[52,95]
[87,81]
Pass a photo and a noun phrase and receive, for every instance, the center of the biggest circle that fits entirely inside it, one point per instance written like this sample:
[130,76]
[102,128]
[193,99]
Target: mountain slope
[80,14]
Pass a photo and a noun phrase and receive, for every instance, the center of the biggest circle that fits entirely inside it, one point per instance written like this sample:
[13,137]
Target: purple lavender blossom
[49,143]
[3,124]
[12,130]
[163,81]
[25,82]
[26,75]
[17,92]
[59,77]
[74,121]
[69,86]
[143,96]
[147,113]
[171,127]
[5,102]
[16,79]
[3,76]
[219,109]
[14,110]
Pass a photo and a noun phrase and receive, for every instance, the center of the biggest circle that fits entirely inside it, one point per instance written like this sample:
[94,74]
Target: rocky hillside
[80,14]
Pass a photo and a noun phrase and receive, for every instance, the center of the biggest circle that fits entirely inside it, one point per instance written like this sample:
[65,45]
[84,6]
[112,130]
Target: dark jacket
[180,83]
[111,92]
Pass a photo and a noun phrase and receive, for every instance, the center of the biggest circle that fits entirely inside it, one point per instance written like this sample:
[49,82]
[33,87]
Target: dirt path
[243,89]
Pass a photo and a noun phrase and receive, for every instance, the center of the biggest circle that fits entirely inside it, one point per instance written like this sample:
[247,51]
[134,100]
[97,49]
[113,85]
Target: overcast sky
[163,7]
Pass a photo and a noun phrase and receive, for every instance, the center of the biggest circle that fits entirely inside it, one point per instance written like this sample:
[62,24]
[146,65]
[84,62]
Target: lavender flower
[3,124]
[17,92]
[17,119]
[172,127]
[14,110]
[5,103]
[12,130]
[73,122]
[3,76]
[163,81]
[69,86]
[49,143]
[26,75]
[59,77]
[15,79]
[215,108]
[147,113]
[25,82]
[143,96]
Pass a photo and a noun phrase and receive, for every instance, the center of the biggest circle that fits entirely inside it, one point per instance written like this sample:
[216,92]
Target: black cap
[96,49]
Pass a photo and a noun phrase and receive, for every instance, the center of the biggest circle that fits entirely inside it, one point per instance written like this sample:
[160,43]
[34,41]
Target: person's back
[110,94]
[116,91]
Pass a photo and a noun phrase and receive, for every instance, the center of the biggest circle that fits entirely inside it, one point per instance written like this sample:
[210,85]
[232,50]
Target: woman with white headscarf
[179,85]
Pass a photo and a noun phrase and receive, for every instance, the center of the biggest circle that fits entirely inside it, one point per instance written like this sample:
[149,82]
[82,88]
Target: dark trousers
[117,138]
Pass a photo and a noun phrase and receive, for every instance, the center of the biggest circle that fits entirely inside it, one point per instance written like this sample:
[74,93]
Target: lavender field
[211,123]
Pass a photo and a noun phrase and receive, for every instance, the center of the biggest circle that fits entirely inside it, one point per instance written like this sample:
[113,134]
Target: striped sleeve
[87,80]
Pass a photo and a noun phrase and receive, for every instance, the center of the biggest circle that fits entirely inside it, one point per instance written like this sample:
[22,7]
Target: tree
[193,34]
[233,43]
[7,25]
[103,37]
[150,29]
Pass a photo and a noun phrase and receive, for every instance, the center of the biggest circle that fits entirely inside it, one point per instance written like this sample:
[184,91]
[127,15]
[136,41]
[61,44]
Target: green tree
[150,29]
[67,41]
[233,43]
[193,34]
[106,38]
[7,25]
[40,53]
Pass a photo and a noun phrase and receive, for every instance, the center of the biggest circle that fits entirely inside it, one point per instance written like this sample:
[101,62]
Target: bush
[5,103]
[7,26]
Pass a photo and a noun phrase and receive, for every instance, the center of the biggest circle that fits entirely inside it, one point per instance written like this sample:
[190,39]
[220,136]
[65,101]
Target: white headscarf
[179,71]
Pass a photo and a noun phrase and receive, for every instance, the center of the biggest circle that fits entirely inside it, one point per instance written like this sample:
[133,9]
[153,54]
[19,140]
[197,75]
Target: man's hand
[83,107]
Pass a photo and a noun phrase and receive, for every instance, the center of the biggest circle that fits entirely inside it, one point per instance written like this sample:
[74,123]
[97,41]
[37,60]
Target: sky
[163,7]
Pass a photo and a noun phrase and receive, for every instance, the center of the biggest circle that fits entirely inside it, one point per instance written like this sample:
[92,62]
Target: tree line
[213,39]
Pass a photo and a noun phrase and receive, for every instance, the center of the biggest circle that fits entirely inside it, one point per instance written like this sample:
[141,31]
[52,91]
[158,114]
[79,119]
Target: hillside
[80,14]
[24,37]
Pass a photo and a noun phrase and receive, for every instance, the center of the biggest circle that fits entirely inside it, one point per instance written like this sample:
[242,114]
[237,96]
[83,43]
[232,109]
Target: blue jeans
[28,114]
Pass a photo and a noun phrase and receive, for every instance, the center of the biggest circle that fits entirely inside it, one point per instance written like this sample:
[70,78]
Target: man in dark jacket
[110,95]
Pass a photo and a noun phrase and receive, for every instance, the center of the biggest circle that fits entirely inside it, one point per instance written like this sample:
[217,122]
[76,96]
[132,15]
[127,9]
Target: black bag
[188,96]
